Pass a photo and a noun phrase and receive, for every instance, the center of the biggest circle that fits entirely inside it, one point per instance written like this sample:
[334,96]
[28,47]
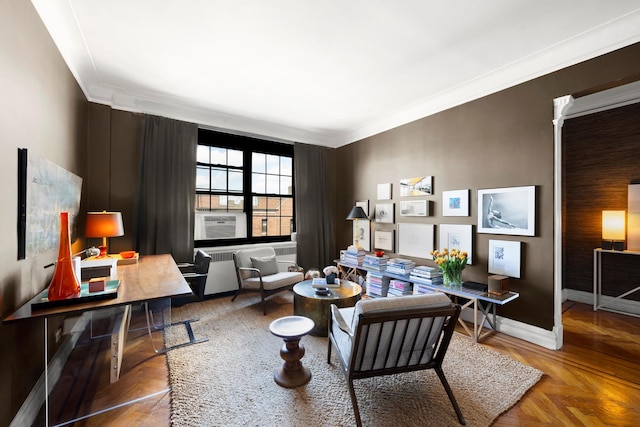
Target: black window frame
[248,145]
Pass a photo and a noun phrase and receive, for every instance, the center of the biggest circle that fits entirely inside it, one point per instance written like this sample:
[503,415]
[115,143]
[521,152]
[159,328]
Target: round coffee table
[316,307]
[291,329]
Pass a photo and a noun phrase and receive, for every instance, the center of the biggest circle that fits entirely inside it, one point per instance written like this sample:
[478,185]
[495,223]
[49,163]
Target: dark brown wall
[600,156]
[41,109]
[502,140]
[113,164]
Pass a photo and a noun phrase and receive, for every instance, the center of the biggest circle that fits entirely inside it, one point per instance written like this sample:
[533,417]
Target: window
[244,189]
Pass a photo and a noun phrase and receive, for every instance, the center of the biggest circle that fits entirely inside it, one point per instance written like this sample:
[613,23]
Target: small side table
[291,329]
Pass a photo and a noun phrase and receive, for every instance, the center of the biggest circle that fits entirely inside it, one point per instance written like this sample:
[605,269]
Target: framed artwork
[504,257]
[364,204]
[418,186]
[44,190]
[415,240]
[414,208]
[384,240]
[384,191]
[507,211]
[455,203]
[362,229]
[385,213]
[457,236]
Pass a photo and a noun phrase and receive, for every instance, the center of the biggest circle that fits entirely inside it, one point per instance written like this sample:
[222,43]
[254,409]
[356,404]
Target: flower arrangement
[451,264]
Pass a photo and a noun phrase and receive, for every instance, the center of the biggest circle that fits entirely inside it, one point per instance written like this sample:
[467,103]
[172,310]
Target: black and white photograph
[457,236]
[384,191]
[384,240]
[364,204]
[385,213]
[418,186]
[507,211]
[414,208]
[362,230]
[416,240]
[504,257]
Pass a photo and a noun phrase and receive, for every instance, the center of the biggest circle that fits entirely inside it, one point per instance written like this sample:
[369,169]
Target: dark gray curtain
[314,220]
[166,194]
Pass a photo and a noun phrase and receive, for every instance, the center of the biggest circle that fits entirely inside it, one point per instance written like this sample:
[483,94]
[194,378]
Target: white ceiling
[325,72]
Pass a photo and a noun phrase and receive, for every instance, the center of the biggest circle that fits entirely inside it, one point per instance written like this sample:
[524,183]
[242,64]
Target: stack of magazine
[321,282]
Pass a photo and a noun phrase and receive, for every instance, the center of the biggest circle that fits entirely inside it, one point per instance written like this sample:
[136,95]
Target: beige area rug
[228,381]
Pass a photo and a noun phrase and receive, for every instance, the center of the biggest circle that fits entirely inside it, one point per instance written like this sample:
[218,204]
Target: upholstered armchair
[258,270]
[386,336]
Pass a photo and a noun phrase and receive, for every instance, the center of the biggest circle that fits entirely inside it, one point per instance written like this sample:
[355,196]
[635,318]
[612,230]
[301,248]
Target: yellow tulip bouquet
[451,264]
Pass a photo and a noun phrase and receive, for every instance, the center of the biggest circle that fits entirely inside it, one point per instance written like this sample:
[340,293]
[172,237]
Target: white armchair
[386,336]
[258,270]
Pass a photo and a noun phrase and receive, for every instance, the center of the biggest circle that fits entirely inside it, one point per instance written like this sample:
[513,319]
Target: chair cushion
[243,256]
[274,281]
[379,305]
[266,264]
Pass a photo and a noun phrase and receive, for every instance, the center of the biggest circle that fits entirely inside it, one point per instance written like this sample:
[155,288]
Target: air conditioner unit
[223,225]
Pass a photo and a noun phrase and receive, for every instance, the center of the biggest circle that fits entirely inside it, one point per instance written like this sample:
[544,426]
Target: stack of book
[354,255]
[377,285]
[321,282]
[400,266]
[419,288]
[375,263]
[398,288]
[425,274]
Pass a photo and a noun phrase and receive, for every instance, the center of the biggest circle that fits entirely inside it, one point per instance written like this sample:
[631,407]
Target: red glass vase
[64,283]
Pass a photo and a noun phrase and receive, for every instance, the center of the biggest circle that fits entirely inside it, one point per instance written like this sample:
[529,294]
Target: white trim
[615,304]
[567,107]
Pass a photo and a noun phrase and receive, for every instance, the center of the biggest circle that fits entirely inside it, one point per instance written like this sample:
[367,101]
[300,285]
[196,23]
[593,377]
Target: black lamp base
[613,245]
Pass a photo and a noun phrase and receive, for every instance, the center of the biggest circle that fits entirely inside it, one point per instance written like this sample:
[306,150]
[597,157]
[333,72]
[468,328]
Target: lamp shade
[104,224]
[613,225]
[357,213]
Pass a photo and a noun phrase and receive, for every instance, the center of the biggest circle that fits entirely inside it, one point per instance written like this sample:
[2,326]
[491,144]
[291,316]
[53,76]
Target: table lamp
[357,213]
[104,224]
[613,230]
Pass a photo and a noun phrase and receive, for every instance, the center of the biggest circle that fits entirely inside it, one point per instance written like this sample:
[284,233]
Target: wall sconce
[104,224]
[357,213]
[613,230]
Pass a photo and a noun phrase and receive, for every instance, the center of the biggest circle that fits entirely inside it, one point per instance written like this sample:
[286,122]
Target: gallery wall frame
[416,239]
[362,229]
[385,213]
[364,204]
[414,208]
[510,210]
[384,240]
[384,191]
[418,186]
[455,203]
[457,236]
[504,257]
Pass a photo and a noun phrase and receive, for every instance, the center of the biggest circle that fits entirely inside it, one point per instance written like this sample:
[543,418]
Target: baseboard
[26,415]
[615,304]
[533,334]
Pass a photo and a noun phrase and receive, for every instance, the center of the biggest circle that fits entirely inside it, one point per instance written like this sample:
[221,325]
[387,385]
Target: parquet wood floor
[594,380]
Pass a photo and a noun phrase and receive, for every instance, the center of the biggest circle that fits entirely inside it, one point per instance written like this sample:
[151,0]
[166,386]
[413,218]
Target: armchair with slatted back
[258,270]
[388,336]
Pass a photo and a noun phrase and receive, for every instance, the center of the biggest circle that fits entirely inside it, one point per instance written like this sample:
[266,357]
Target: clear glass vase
[452,279]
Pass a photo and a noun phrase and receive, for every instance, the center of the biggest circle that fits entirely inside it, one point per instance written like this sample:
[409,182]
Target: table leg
[292,373]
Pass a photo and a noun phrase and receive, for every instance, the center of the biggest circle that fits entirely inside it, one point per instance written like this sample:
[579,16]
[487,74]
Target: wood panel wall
[600,159]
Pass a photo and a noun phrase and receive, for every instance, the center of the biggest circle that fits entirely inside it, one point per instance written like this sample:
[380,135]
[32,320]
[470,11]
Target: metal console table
[482,303]
[597,282]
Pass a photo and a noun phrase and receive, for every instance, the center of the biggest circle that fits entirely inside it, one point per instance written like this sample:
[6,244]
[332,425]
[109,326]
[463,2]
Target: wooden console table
[153,278]
[483,304]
